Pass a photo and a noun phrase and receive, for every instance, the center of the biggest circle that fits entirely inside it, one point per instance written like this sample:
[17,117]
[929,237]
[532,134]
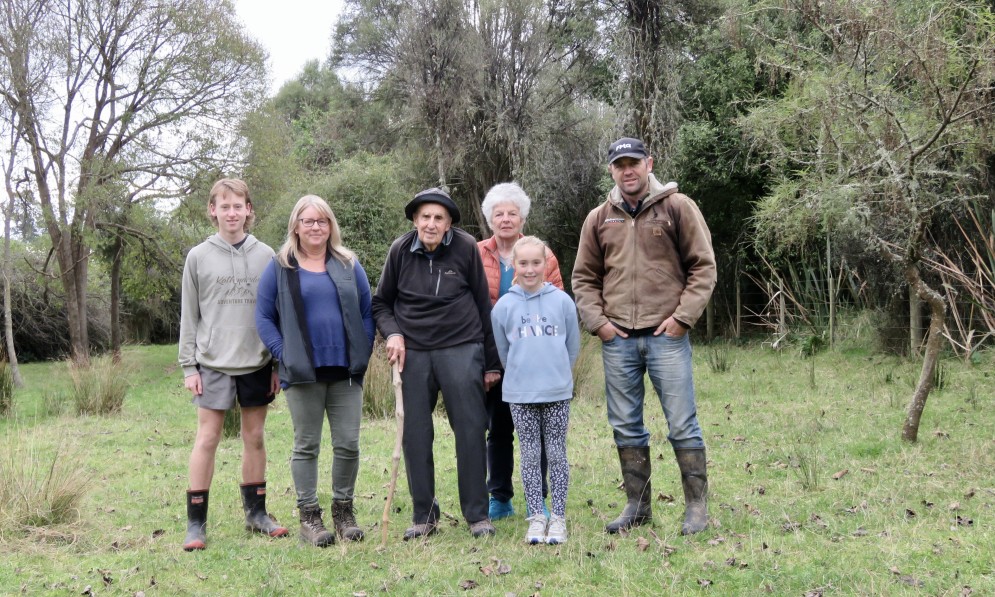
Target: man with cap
[644,272]
[432,306]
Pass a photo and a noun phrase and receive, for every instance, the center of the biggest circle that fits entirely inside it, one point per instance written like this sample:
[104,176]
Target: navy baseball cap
[627,147]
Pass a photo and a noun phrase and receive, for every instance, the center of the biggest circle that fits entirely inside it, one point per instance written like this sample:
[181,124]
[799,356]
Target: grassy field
[812,493]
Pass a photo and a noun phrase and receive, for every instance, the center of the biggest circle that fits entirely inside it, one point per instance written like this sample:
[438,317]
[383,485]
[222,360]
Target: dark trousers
[458,372]
[501,448]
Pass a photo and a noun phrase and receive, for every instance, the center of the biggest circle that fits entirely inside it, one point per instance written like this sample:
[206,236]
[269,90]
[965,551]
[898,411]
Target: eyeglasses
[310,222]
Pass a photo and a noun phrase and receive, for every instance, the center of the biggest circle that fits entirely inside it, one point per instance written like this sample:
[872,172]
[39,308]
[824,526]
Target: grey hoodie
[218,305]
[538,340]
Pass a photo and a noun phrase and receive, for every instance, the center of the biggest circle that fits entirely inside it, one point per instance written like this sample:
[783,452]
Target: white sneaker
[556,533]
[537,529]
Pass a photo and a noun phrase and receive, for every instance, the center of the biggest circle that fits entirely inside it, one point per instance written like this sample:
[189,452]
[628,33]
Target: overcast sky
[293,31]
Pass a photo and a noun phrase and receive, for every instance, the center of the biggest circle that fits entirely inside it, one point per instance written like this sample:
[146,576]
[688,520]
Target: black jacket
[436,302]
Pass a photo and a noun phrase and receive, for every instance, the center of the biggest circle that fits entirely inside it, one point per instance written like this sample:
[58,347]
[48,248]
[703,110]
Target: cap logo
[623,146]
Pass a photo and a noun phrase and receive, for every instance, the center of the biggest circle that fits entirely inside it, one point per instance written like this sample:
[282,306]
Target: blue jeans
[667,360]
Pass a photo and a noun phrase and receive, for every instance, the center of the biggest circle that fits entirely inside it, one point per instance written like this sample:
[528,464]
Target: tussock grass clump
[39,489]
[53,404]
[6,390]
[100,388]
[718,360]
[232,425]
[589,374]
[378,389]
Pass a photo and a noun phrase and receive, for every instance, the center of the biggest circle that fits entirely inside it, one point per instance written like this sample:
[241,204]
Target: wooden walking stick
[399,415]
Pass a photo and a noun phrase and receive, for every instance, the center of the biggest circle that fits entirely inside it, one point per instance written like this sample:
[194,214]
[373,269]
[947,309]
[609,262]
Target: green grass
[904,519]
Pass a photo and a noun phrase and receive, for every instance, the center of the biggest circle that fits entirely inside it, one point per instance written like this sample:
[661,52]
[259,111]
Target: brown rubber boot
[638,509]
[313,529]
[344,517]
[196,520]
[694,478]
[256,517]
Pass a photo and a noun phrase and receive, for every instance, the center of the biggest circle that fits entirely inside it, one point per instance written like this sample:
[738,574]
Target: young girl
[538,339]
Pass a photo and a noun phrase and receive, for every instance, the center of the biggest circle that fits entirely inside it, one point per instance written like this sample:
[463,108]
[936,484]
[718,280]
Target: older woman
[505,207]
[314,314]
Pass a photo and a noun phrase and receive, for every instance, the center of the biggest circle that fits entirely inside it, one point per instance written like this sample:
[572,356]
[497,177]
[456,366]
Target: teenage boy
[223,358]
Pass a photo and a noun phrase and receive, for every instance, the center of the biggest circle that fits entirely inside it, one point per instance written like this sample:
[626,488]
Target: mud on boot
[635,462]
[313,529]
[694,480]
[344,517]
[256,517]
[196,520]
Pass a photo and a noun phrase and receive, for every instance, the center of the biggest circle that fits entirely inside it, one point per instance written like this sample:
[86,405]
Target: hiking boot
[635,463]
[420,530]
[196,520]
[256,517]
[313,529]
[498,509]
[537,529]
[556,533]
[344,518]
[694,479]
[482,528]
[424,529]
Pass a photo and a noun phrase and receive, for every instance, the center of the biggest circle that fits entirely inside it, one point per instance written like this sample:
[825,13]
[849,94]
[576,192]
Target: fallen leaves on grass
[467,585]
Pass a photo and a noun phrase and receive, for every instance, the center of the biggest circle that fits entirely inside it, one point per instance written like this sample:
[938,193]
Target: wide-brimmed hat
[433,195]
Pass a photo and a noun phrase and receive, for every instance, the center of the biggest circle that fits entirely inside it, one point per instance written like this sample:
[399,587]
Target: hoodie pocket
[233,347]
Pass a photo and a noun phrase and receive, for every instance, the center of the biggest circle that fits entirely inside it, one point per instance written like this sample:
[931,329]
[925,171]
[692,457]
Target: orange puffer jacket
[492,267]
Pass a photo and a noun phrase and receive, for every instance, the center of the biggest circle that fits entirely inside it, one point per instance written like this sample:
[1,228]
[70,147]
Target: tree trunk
[116,299]
[8,327]
[934,343]
[73,257]
[915,321]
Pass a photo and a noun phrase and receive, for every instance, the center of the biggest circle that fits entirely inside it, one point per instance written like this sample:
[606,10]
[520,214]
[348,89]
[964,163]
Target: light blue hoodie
[538,340]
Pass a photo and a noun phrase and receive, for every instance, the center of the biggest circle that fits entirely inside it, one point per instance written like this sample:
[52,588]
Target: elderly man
[644,272]
[433,308]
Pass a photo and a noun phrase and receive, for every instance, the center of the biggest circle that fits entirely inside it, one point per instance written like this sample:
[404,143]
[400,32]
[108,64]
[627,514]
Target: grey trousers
[458,372]
[342,403]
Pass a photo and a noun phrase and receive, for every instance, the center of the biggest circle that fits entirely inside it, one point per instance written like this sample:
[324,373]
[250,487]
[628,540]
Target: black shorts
[222,390]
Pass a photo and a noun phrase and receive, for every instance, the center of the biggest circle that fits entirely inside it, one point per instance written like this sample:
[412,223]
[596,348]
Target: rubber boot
[313,529]
[638,509]
[344,517]
[256,517]
[694,478]
[196,520]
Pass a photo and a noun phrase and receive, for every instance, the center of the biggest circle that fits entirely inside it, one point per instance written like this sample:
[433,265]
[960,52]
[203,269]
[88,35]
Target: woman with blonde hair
[314,314]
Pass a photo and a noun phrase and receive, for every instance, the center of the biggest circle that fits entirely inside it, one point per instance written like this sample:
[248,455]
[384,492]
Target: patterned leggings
[535,423]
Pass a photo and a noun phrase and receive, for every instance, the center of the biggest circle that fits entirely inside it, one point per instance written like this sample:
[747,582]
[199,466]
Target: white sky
[292,31]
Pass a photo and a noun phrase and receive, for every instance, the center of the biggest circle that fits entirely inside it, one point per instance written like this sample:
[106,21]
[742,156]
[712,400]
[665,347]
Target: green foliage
[368,199]
[100,388]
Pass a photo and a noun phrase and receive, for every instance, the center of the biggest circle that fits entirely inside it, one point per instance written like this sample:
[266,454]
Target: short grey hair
[506,192]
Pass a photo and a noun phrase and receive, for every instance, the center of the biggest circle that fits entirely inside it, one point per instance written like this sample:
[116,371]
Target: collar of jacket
[657,193]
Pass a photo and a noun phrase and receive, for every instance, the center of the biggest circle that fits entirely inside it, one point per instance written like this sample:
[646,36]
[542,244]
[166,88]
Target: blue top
[322,314]
[507,276]
[538,340]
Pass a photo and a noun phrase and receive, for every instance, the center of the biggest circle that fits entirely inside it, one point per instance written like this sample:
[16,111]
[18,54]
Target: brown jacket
[636,272]
[492,267]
